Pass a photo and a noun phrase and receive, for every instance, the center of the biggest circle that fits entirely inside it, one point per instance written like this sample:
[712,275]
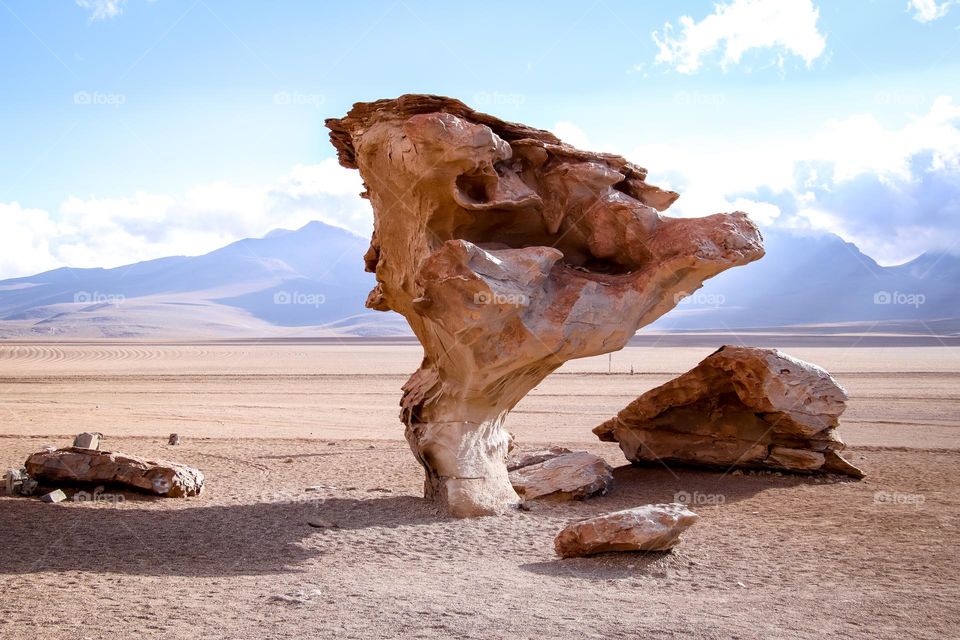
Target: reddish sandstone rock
[509,252]
[654,527]
[526,458]
[740,407]
[571,475]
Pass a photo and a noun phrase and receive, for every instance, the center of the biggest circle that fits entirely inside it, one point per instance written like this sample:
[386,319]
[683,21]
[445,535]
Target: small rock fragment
[13,480]
[57,495]
[88,440]
[18,482]
[174,439]
[297,597]
[653,527]
[29,486]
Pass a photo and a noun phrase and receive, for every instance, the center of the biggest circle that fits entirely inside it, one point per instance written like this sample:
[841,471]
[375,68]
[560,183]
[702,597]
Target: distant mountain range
[308,282]
[821,279]
[311,282]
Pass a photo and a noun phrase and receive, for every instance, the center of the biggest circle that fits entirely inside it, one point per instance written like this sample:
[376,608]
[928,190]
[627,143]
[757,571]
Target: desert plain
[362,555]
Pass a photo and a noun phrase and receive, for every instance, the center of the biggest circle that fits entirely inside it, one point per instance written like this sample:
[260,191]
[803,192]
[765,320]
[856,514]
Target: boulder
[654,527]
[740,407]
[574,475]
[75,465]
[510,252]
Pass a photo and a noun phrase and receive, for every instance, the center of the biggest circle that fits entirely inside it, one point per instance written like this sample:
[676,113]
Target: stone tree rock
[509,252]
[740,407]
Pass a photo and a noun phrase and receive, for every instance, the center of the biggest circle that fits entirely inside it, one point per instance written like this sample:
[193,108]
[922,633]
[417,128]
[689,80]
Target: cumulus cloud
[102,9]
[106,232]
[929,10]
[787,26]
[894,191]
[25,241]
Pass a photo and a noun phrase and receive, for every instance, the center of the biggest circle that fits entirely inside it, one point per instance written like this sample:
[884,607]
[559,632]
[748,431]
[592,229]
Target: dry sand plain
[782,556]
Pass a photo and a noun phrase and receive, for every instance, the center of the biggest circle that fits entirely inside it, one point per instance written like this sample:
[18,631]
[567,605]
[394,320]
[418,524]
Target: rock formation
[654,527]
[77,465]
[740,407]
[569,475]
[509,253]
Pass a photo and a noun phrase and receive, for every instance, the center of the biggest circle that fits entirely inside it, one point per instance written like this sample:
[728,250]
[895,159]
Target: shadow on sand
[150,536]
[142,536]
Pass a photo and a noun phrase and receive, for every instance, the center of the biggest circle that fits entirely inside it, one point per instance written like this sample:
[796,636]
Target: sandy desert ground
[782,556]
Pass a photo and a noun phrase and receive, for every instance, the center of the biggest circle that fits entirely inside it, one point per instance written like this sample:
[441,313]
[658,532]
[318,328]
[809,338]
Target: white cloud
[25,241]
[738,27]
[894,191]
[929,10]
[571,134]
[861,145]
[102,9]
[106,232]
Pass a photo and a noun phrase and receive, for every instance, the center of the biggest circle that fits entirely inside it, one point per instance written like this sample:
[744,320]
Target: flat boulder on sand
[740,407]
[574,475]
[653,527]
[73,464]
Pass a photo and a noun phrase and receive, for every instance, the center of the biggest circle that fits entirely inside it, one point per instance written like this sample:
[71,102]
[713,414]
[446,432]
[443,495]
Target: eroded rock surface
[653,527]
[509,252]
[77,465]
[740,407]
[573,475]
[518,459]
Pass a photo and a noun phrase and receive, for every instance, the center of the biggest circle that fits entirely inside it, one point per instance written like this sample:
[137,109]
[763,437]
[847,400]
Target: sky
[136,129]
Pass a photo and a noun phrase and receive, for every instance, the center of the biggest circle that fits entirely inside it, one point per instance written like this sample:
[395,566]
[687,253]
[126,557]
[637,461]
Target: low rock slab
[73,464]
[654,527]
[574,475]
